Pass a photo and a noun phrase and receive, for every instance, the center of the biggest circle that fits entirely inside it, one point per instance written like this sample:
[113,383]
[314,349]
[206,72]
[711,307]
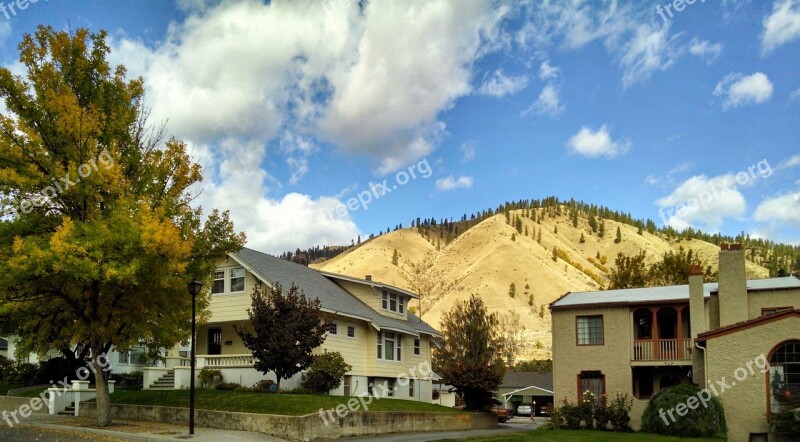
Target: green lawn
[5,386]
[580,436]
[248,402]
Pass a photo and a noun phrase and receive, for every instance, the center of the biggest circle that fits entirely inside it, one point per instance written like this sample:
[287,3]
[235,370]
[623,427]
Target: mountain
[492,252]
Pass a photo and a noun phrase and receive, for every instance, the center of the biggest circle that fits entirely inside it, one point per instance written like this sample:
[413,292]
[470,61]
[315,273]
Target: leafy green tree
[98,238]
[470,358]
[325,373]
[673,268]
[630,272]
[286,328]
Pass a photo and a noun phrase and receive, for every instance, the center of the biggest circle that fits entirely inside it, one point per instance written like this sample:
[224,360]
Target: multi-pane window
[592,381]
[390,346]
[219,282]
[590,330]
[333,329]
[351,331]
[237,280]
[410,388]
[393,302]
[416,347]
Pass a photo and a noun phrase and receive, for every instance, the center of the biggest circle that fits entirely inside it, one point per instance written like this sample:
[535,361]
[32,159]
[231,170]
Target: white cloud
[449,183]
[702,201]
[793,161]
[669,178]
[705,49]
[591,143]
[547,72]
[795,95]
[468,150]
[739,90]
[547,103]
[782,26]
[781,210]
[499,85]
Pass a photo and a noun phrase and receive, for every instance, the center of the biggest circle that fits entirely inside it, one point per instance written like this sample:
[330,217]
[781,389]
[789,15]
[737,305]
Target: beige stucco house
[388,347]
[738,338]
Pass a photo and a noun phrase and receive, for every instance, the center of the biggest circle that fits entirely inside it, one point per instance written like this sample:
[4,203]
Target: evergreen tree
[618,239]
[555,254]
[395,257]
[601,231]
[512,290]
[583,239]
[513,237]
[574,218]
[592,222]
[541,311]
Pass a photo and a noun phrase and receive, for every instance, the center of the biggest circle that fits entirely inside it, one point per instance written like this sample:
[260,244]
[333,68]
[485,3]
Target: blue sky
[685,115]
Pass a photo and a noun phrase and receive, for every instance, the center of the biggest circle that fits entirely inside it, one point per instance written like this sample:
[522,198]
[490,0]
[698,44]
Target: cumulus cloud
[705,49]
[546,71]
[738,90]
[781,210]
[702,201]
[590,143]
[548,102]
[782,26]
[791,162]
[450,183]
[499,84]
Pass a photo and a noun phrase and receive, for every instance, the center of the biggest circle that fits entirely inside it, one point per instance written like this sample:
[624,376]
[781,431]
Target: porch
[661,333]
[176,372]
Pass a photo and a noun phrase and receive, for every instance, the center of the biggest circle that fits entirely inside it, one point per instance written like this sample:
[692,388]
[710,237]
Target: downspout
[705,364]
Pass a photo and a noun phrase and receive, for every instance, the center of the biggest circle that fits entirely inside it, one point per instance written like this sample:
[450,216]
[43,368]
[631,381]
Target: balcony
[662,350]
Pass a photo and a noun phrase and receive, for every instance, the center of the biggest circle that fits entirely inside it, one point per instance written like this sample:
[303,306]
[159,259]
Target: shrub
[298,390]
[131,381]
[325,373]
[787,421]
[5,367]
[52,371]
[228,386]
[593,412]
[22,374]
[704,421]
[264,386]
[208,377]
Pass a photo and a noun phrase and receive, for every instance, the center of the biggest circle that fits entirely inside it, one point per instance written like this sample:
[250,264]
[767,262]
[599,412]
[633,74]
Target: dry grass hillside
[489,257]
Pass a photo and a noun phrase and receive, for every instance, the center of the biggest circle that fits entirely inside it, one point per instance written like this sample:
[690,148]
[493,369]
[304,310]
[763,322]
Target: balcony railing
[662,349]
[227,360]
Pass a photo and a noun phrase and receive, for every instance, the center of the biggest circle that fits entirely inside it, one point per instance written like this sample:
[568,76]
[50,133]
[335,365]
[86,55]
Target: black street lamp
[194,288]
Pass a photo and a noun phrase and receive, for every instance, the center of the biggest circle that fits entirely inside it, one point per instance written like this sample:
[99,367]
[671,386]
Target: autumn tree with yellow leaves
[98,236]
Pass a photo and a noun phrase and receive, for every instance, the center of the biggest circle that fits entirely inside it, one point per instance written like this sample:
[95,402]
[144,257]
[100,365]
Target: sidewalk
[142,431]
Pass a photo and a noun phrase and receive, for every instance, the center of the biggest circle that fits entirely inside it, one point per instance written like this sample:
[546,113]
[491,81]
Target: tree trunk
[101,385]
[278,383]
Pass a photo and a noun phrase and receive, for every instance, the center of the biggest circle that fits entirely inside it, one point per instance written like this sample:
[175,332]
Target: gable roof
[744,325]
[524,379]
[650,295]
[333,298]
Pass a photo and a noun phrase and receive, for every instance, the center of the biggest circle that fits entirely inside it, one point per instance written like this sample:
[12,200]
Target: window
[391,387]
[237,280]
[590,330]
[593,381]
[124,357]
[393,302]
[219,282]
[348,381]
[416,347]
[390,346]
[784,374]
[410,388]
[333,329]
[351,331]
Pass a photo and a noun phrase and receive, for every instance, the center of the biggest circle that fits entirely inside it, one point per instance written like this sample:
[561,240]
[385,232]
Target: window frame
[578,332]
[333,329]
[351,328]
[388,298]
[383,347]
[243,278]
[602,376]
[214,284]
[417,347]
[411,388]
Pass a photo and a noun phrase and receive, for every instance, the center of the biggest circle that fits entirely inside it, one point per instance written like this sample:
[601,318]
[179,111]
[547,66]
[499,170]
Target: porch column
[680,331]
[656,352]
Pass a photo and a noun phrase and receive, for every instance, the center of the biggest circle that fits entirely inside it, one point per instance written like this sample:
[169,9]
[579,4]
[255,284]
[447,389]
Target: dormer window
[393,302]
[228,281]
[219,282]
[237,280]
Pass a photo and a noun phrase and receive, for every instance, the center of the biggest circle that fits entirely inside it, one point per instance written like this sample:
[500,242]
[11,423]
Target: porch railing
[662,349]
[228,360]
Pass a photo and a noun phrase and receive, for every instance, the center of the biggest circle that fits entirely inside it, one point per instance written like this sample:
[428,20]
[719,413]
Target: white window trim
[399,302]
[347,331]
[335,327]
[227,278]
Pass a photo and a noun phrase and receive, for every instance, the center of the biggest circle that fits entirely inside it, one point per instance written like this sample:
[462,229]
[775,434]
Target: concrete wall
[306,428]
[745,402]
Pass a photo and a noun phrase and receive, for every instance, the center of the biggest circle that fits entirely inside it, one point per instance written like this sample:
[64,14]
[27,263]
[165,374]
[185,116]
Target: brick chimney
[732,285]
[368,277]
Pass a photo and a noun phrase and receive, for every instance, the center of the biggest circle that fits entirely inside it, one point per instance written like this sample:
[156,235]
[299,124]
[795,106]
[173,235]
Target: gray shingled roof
[666,293]
[332,296]
[524,379]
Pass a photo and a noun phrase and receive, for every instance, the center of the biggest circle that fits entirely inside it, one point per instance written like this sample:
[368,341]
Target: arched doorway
[784,373]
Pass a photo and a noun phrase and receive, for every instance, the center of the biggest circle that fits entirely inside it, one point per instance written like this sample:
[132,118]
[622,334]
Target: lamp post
[194,288]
